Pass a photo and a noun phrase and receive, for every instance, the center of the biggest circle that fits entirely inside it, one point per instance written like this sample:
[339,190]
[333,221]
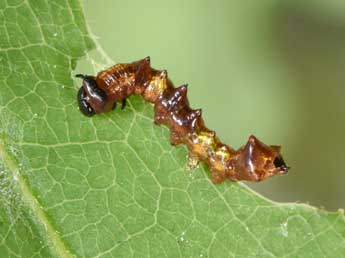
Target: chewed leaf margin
[113,186]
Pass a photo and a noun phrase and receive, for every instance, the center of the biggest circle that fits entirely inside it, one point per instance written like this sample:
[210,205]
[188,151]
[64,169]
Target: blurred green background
[270,68]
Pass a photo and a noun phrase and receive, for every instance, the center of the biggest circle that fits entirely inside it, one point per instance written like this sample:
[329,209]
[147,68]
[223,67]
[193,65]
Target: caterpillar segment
[255,161]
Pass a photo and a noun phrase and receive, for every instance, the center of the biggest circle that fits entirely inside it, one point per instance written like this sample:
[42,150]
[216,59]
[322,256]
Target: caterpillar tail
[255,161]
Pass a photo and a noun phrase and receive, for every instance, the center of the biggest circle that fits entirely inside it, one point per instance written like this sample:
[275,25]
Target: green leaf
[112,186]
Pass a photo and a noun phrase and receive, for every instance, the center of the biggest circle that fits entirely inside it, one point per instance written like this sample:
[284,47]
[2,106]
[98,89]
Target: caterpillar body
[255,161]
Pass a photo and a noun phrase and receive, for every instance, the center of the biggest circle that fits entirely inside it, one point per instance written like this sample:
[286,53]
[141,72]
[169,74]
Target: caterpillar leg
[124,103]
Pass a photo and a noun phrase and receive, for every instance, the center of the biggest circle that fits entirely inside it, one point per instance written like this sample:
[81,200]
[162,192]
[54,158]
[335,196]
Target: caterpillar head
[258,161]
[91,98]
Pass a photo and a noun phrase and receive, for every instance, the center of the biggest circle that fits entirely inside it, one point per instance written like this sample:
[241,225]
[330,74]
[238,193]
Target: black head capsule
[91,98]
[83,103]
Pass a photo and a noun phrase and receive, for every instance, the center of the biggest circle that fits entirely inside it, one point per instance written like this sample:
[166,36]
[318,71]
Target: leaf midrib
[54,239]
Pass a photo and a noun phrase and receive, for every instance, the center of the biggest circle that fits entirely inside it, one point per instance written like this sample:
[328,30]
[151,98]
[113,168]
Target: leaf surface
[112,186]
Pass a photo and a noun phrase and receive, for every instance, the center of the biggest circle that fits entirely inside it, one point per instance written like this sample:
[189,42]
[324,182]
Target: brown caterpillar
[253,162]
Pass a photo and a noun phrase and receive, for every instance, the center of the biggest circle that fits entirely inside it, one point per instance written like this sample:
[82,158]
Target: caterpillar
[255,161]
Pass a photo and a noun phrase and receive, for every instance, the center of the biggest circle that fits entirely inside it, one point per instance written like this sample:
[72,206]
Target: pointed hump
[143,72]
[147,59]
[175,98]
[163,74]
[196,113]
[182,90]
